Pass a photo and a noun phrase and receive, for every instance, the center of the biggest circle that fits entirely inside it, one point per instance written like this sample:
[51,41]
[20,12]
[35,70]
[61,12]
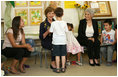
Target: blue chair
[35,52]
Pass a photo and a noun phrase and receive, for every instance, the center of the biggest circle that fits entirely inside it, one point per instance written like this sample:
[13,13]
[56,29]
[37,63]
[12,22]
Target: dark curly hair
[70,25]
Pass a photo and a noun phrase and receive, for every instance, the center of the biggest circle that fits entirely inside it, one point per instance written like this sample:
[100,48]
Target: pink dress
[73,45]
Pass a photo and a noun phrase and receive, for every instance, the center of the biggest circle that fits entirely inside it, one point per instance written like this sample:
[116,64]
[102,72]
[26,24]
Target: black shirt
[45,42]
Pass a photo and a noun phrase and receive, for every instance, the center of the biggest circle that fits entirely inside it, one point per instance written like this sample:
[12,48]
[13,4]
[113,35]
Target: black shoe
[97,64]
[91,64]
[52,67]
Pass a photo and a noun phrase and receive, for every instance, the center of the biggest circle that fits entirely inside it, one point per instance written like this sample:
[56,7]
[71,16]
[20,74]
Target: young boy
[108,38]
[59,29]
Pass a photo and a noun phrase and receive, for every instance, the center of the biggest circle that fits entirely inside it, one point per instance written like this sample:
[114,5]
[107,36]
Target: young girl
[72,45]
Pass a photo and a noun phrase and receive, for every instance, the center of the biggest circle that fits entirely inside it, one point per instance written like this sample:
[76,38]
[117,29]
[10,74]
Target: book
[113,26]
[99,26]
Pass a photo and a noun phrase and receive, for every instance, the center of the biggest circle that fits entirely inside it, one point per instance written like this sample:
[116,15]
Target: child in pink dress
[73,45]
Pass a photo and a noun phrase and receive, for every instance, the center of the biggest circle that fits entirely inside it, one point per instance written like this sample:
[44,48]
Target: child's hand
[113,43]
[92,39]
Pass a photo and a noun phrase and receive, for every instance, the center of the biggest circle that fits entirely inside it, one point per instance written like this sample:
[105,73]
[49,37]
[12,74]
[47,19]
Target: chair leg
[41,57]
[81,58]
[35,58]
[46,64]
[100,58]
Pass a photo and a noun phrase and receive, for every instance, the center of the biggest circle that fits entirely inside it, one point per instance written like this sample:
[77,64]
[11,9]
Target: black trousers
[16,53]
[93,48]
[50,48]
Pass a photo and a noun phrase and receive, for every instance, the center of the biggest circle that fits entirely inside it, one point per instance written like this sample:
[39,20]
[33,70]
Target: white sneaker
[78,63]
[68,63]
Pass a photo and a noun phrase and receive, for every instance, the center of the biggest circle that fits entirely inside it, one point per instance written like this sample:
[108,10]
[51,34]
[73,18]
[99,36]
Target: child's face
[107,26]
[69,28]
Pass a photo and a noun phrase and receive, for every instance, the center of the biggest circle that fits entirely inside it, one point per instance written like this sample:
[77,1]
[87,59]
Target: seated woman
[14,45]
[88,36]
[45,36]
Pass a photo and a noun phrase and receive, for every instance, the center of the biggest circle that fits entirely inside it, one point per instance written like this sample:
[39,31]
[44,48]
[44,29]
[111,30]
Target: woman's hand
[45,34]
[92,39]
[28,46]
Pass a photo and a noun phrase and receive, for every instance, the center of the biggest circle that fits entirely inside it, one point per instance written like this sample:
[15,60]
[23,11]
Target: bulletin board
[21,3]
[23,13]
[35,3]
[69,4]
[35,16]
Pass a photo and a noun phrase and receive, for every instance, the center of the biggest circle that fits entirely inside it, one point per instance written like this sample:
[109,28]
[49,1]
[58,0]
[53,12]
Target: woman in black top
[45,36]
[88,36]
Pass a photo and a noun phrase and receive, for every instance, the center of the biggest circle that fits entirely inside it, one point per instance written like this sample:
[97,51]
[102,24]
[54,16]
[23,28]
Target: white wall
[113,5]
[70,15]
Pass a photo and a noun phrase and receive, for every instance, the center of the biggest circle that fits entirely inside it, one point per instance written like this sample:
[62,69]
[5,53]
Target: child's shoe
[57,70]
[78,63]
[68,63]
[63,70]
[109,64]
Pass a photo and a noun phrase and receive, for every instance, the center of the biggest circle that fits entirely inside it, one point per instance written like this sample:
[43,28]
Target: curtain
[7,17]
